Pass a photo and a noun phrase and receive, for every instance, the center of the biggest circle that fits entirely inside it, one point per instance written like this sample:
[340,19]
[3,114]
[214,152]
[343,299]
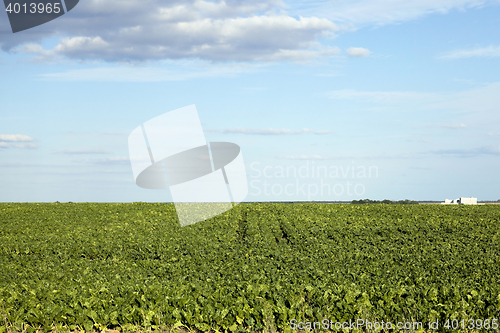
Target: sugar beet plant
[93,266]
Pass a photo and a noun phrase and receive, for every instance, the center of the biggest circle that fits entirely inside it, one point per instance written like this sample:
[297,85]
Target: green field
[89,266]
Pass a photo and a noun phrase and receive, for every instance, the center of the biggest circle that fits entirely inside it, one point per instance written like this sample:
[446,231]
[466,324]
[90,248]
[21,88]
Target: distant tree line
[386,201]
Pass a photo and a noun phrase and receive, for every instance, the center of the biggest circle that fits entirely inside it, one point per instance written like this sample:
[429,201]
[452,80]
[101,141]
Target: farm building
[461,201]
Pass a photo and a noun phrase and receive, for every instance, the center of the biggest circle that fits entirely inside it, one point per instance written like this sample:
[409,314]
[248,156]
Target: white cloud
[88,46]
[19,141]
[25,145]
[137,31]
[83,151]
[118,160]
[380,96]
[484,100]
[15,138]
[219,30]
[18,145]
[381,12]
[474,111]
[179,70]
[478,100]
[485,52]
[454,126]
[269,131]
[300,55]
[358,52]
[303,157]
[491,150]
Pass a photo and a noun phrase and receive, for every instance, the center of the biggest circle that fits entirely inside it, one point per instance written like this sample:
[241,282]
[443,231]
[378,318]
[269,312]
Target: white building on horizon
[460,201]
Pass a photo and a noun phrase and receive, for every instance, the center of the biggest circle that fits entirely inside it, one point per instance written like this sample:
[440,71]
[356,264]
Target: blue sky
[408,90]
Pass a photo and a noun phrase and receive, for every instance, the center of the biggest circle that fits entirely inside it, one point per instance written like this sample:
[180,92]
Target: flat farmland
[259,266]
